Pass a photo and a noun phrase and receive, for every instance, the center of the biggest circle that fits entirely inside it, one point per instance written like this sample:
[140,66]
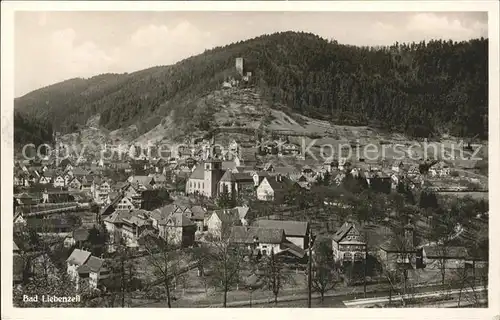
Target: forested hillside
[419,88]
[30,130]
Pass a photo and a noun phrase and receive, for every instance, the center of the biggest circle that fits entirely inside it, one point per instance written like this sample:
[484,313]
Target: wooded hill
[419,89]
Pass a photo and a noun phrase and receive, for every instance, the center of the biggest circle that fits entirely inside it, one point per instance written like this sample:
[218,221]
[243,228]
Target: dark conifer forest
[420,89]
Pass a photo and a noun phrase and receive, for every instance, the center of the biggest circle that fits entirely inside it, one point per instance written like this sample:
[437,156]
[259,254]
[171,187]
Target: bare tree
[224,259]
[396,263]
[274,273]
[324,276]
[440,234]
[122,275]
[166,261]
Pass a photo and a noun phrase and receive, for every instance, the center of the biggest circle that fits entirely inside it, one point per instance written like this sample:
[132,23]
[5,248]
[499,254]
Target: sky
[50,47]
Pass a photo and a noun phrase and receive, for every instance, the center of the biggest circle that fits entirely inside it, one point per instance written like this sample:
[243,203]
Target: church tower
[239,66]
[211,175]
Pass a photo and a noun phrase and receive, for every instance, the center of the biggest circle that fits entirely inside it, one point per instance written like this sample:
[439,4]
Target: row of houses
[349,247]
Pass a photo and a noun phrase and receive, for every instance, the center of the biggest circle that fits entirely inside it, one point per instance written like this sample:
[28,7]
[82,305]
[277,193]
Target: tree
[166,261]
[122,268]
[274,274]
[395,266]
[59,284]
[442,230]
[224,259]
[225,200]
[324,275]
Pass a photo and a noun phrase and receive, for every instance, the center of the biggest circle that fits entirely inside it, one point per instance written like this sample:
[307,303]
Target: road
[334,299]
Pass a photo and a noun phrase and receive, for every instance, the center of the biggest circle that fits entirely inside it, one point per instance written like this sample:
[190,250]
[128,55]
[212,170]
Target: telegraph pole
[309,273]
[365,266]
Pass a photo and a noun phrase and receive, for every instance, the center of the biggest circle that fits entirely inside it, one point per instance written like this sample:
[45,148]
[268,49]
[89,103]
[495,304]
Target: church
[205,178]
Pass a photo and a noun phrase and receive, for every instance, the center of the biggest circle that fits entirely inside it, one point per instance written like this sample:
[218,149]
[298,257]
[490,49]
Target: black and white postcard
[250,155]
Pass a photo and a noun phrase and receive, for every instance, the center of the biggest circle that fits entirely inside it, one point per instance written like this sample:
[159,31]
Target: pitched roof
[247,235]
[95,264]
[279,183]
[198,173]
[80,234]
[242,177]
[228,165]
[344,229]
[227,215]
[242,211]
[228,176]
[178,219]
[79,172]
[291,228]
[285,170]
[144,180]
[113,202]
[248,154]
[446,252]
[78,257]
[288,246]
[163,212]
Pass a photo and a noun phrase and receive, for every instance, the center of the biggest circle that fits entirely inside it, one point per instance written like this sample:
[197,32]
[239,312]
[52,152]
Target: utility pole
[365,266]
[309,272]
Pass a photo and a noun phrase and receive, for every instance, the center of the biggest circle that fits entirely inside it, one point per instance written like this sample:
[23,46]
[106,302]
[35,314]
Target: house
[80,235]
[126,203]
[261,239]
[246,157]
[45,179]
[413,171]
[142,181]
[81,265]
[297,232]
[19,219]
[77,259]
[20,179]
[398,166]
[77,172]
[65,164]
[128,225]
[177,229]
[348,244]
[160,180]
[450,257]
[75,184]
[204,180]
[236,183]
[355,172]
[195,213]
[258,176]
[94,270]
[135,193]
[399,250]
[273,188]
[330,165]
[24,199]
[441,169]
[223,219]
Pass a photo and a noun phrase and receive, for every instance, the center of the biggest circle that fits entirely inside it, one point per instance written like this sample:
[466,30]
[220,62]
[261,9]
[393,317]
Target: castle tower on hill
[239,66]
